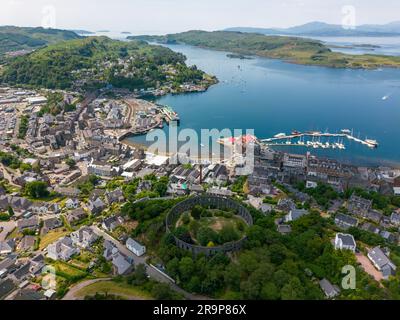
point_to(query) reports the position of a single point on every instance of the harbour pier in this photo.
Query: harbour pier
(169, 114)
(283, 139)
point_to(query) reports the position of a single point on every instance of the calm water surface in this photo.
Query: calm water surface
(272, 96)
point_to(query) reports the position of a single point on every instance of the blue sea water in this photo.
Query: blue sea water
(272, 96)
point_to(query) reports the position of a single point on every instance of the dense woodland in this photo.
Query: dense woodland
(99, 61)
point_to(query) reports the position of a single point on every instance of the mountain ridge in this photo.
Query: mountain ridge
(318, 28)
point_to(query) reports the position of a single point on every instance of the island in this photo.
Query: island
(291, 49)
(368, 47)
(83, 32)
(238, 56)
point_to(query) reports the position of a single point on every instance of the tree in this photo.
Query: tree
(256, 236)
(269, 291)
(196, 212)
(37, 189)
(70, 162)
(10, 211)
(139, 277)
(280, 278)
(93, 179)
(293, 290)
(162, 291)
(186, 268)
(161, 188)
(206, 235)
(228, 234)
(140, 272)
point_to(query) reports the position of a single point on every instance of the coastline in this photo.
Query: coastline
(359, 62)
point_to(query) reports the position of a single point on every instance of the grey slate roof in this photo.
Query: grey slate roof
(345, 221)
(395, 218)
(6, 287)
(297, 214)
(134, 244)
(381, 261)
(329, 290)
(347, 239)
(7, 245)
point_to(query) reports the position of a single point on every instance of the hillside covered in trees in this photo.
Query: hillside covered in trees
(98, 61)
(293, 49)
(17, 38)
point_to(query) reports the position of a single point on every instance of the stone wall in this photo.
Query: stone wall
(206, 201)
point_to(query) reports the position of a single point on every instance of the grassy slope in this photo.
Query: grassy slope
(51, 237)
(118, 289)
(292, 49)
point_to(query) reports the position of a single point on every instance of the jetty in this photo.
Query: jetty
(309, 139)
(169, 114)
(283, 139)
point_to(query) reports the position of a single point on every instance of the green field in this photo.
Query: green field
(68, 271)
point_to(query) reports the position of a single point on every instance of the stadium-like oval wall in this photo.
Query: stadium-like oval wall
(206, 201)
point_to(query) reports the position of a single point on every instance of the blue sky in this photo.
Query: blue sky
(163, 16)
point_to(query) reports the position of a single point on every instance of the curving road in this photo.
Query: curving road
(72, 293)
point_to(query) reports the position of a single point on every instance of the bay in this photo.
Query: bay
(272, 96)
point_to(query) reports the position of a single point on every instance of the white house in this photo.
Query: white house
(345, 242)
(135, 247)
(72, 204)
(62, 249)
(311, 185)
(84, 237)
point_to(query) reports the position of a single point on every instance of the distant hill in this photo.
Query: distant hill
(16, 38)
(289, 48)
(322, 29)
(94, 62)
(83, 32)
